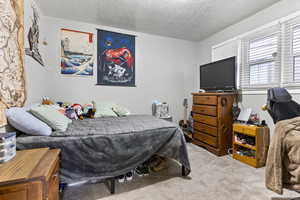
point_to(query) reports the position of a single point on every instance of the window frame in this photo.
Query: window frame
(288, 67)
(261, 61)
(285, 54)
(295, 55)
(245, 63)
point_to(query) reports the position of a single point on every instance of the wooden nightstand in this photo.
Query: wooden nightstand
(31, 175)
(250, 144)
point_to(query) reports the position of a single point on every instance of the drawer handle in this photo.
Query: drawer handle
(223, 102)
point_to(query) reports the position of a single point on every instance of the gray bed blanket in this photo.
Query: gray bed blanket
(107, 147)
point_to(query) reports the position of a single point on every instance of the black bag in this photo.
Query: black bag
(280, 105)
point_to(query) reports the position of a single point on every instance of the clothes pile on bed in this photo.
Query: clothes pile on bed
(103, 147)
(283, 162)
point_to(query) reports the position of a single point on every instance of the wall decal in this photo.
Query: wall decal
(33, 36)
(12, 81)
(116, 59)
(77, 49)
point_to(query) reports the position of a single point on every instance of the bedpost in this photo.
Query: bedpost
(62, 187)
(183, 173)
(112, 186)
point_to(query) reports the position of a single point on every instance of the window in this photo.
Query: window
(262, 57)
(260, 60)
(296, 53)
(267, 57)
(291, 53)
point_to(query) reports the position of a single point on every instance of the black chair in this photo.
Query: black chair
(280, 105)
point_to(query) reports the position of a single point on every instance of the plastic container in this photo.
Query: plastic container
(7, 146)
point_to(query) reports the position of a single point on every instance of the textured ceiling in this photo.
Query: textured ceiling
(184, 19)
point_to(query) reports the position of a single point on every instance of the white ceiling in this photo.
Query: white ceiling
(184, 19)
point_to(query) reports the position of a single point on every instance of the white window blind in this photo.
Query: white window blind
(296, 52)
(260, 59)
(291, 53)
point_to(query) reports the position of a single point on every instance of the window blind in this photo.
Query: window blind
(296, 53)
(291, 53)
(260, 59)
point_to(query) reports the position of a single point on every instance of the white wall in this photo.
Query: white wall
(226, 50)
(167, 69)
(204, 55)
(163, 71)
(35, 73)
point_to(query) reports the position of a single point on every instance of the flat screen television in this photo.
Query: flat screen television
(219, 75)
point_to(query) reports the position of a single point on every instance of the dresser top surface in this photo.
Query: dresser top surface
(213, 94)
(25, 165)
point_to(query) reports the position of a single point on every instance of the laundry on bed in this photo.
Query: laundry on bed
(283, 163)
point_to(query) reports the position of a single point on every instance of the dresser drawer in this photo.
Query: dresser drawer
(24, 191)
(15, 192)
(206, 100)
(207, 110)
(205, 128)
(205, 119)
(212, 141)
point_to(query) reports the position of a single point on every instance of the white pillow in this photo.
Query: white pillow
(26, 122)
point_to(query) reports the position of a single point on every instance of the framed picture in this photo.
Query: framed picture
(116, 59)
(77, 53)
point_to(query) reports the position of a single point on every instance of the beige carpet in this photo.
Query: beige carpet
(212, 178)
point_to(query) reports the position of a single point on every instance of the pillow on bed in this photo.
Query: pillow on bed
(120, 110)
(104, 109)
(51, 116)
(23, 121)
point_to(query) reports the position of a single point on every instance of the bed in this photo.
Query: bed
(108, 147)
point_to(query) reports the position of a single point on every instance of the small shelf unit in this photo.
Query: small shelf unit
(255, 154)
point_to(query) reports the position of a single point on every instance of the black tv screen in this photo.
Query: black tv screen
(219, 75)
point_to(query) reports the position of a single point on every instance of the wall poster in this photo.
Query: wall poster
(33, 36)
(77, 51)
(116, 59)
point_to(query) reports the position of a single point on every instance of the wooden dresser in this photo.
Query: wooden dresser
(31, 175)
(212, 114)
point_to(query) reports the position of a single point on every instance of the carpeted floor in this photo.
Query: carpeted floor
(212, 178)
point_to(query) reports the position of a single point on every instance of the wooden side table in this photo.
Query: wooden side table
(31, 175)
(250, 144)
